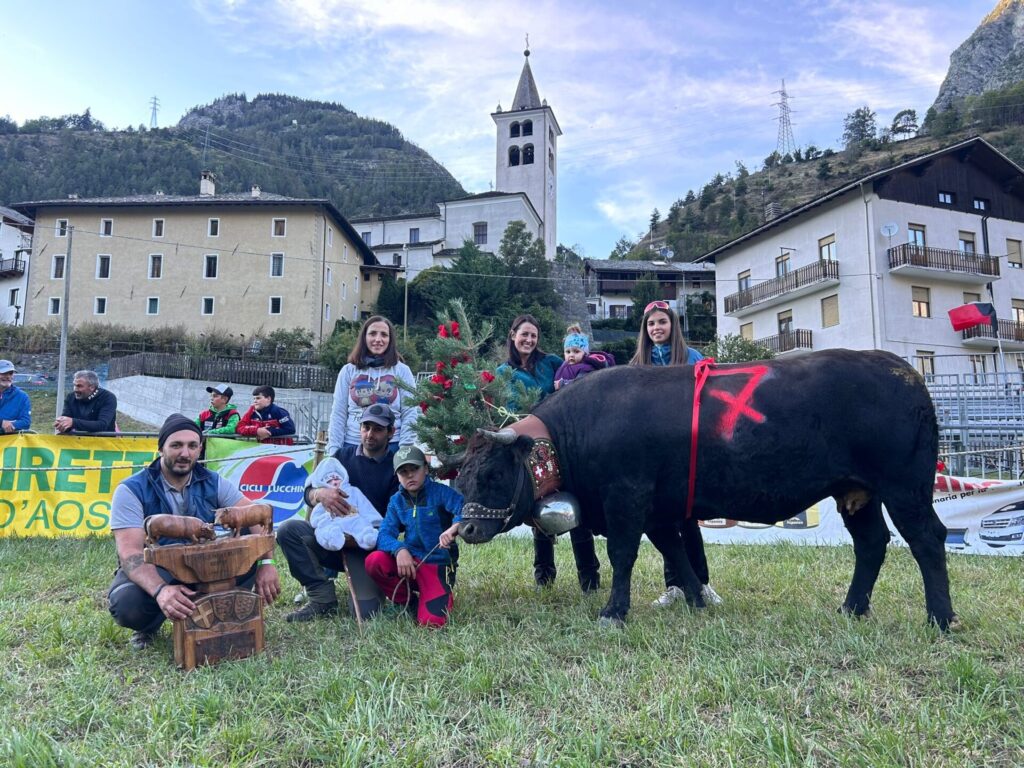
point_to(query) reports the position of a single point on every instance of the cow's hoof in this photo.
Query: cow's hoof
(952, 624)
(610, 622)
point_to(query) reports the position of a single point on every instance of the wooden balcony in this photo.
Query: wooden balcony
(942, 264)
(1011, 335)
(12, 267)
(797, 340)
(813, 277)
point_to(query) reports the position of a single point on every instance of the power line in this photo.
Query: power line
(785, 145)
(154, 104)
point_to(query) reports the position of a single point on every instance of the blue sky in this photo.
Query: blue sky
(653, 98)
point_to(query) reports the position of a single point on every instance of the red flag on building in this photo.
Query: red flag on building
(970, 315)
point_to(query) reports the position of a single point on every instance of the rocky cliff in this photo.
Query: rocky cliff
(992, 57)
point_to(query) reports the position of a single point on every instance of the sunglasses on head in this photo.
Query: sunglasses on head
(656, 305)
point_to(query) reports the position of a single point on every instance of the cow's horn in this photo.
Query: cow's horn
(502, 437)
(455, 460)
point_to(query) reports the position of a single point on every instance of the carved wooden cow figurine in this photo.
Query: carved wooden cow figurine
(165, 527)
(237, 518)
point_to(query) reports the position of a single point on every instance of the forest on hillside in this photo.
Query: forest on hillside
(286, 145)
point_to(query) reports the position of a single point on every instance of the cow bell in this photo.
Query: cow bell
(557, 513)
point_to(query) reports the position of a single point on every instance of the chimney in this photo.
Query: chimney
(772, 211)
(206, 184)
(255, 190)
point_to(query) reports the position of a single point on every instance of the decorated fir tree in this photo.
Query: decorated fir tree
(465, 392)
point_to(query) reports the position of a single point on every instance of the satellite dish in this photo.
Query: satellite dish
(890, 229)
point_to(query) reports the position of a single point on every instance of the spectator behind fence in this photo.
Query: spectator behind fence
(88, 408)
(222, 417)
(15, 406)
(268, 422)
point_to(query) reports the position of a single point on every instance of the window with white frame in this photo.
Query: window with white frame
(367, 237)
(916, 235)
(210, 266)
(278, 228)
(480, 233)
(980, 204)
(920, 301)
(747, 331)
(924, 361)
(1013, 254)
(158, 227)
(99, 305)
(743, 280)
(945, 198)
(156, 266)
(965, 242)
(106, 227)
(782, 265)
(344, 290)
(830, 311)
(60, 229)
(827, 248)
(414, 234)
(1017, 307)
(344, 253)
(153, 305)
(54, 306)
(207, 305)
(396, 259)
(330, 237)
(103, 266)
(12, 297)
(213, 228)
(785, 320)
(277, 265)
(57, 266)
(275, 305)
(357, 284)
(327, 311)
(355, 312)
(330, 276)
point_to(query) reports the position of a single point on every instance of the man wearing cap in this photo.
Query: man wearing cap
(143, 595)
(370, 470)
(87, 408)
(15, 406)
(222, 416)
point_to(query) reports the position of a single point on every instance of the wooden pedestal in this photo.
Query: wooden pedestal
(225, 625)
(227, 622)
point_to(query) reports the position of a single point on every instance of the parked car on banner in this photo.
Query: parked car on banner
(1004, 526)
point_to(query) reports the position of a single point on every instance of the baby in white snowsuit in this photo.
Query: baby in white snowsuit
(330, 531)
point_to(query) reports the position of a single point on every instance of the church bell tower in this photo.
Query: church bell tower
(527, 152)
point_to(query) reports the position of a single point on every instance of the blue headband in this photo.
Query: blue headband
(577, 340)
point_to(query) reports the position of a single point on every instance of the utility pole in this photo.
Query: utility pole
(62, 365)
(154, 104)
(785, 144)
(405, 309)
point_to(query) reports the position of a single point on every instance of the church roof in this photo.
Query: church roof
(527, 96)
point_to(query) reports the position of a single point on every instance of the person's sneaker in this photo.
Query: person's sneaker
(311, 611)
(140, 641)
(710, 596)
(301, 597)
(668, 597)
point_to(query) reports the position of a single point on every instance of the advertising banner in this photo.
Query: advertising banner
(58, 485)
(269, 474)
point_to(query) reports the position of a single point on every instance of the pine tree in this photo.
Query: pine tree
(465, 393)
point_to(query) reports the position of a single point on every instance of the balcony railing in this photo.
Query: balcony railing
(798, 338)
(910, 255)
(12, 267)
(1008, 331)
(817, 272)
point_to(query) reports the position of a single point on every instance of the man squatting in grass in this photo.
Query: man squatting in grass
(415, 571)
(143, 595)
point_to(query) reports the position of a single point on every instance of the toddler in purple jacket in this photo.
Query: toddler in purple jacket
(578, 357)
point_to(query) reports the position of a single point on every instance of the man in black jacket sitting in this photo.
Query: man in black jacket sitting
(88, 408)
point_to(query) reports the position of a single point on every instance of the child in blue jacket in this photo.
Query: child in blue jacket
(429, 513)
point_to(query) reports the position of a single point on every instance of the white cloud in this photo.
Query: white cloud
(628, 205)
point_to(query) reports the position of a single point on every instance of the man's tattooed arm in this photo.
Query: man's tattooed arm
(131, 562)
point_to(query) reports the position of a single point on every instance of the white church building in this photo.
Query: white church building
(526, 189)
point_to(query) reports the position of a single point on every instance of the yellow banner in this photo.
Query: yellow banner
(56, 485)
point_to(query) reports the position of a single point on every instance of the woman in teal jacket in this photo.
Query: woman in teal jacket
(536, 370)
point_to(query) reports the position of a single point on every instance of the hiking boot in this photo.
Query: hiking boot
(311, 611)
(668, 597)
(140, 641)
(710, 596)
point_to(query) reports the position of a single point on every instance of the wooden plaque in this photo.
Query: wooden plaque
(225, 625)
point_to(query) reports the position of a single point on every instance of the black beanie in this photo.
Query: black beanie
(175, 423)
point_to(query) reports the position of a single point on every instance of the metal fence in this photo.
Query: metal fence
(255, 372)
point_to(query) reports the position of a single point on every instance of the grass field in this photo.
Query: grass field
(523, 677)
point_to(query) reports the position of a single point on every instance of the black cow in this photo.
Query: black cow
(774, 438)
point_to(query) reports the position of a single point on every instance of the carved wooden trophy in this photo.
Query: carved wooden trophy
(227, 622)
